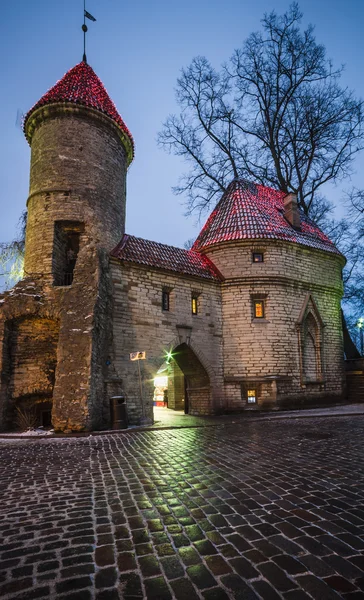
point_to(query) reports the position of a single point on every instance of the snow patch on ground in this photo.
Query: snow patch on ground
(29, 433)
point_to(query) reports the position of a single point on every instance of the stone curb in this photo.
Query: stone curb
(137, 429)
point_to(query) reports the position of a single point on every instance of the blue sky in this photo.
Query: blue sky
(138, 49)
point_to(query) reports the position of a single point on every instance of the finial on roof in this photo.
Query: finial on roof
(85, 29)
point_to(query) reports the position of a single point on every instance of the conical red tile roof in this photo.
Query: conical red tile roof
(250, 211)
(81, 85)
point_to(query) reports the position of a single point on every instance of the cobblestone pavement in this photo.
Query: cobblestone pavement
(270, 509)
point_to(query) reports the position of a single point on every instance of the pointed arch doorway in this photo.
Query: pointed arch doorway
(185, 383)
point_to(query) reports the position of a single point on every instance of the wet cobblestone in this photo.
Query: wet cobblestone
(269, 509)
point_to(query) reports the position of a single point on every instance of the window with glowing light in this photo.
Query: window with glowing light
(257, 257)
(251, 397)
(259, 309)
(194, 305)
(165, 300)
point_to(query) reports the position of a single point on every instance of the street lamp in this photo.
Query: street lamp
(360, 326)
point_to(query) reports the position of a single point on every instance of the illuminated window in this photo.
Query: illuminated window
(194, 305)
(257, 257)
(252, 397)
(259, 309)
(165, 300)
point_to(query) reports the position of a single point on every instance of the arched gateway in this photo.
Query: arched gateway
(183, 383)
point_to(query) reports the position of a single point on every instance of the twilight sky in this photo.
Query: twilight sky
(137, 49)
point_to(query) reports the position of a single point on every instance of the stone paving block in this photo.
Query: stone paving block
(265, 591)
(340, 584)
(201, 576)
(342, 566)
(217, 565)
(215, 594)
(172, 567)
(184, 590)
(149, 565)
(277, 578)
(105, 578)
(130, 585)
(189, 556)
(317, 588)
(289, 564)
(157, 589)
(238, 588)
(105, 555)
(70, 585)
(126, 561)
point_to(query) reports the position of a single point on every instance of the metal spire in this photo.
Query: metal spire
(85, 28)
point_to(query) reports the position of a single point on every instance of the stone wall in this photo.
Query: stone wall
(293, 282)
(140, 324)
(55, 341)
(355, 379)
(176, 387)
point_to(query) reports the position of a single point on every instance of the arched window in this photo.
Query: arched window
(310, 338)
(310, 349)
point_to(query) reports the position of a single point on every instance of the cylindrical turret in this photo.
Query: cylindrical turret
(80, 151)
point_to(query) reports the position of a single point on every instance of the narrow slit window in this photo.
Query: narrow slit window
(165, 300)
(258, 257)
(66, 247)
(194, 305)
(259, 309)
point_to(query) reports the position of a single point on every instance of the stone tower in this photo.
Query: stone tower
(55, 330)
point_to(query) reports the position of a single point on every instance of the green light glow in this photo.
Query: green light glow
(360, 322)
(168, 356)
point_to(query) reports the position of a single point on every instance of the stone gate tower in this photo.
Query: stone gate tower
(55, 325)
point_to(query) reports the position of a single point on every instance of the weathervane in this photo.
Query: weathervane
(86, 15)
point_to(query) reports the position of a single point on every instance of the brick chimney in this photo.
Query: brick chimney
(291, 211)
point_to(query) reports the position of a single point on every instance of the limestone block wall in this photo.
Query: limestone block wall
(140, 324)
(263, 351)
(77, 174)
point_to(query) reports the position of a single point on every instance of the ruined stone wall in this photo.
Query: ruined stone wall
(64, 340)
(140, 324)
(266, 350)
(32, 346)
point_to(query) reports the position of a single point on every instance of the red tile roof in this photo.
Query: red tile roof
(82, 86)
(250, 211)
(169, 258)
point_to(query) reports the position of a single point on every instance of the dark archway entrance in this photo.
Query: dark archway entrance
(188, 382)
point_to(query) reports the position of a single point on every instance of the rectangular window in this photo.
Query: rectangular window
(66, 245)
(252, 397)
(259, 309)
(257, 257)
(165, 300)
(194, 305)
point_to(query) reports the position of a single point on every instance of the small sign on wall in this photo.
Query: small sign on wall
(138, 355)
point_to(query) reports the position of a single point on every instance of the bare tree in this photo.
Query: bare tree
(275, 114)
(12, 256)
